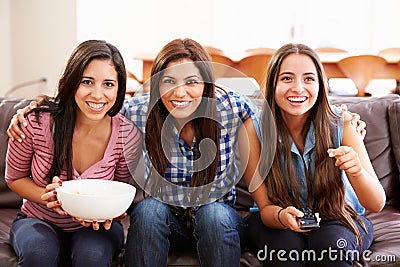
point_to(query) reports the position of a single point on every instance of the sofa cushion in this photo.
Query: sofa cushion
(385, 249)
(7, 255)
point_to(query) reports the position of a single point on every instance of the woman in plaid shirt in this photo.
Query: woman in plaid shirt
(190, 130)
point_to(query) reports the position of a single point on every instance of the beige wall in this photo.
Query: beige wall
(42, 34)
(5, 47)
(137, 26)
(37, 36)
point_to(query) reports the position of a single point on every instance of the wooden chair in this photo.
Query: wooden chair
(261, 50)
(254, 64)
(225, 65)
(328, 49)
(213, 50)
(361, 69)
(390, 54)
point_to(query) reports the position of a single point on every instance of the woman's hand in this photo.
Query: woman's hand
(288, 217)
(356, 121)
(13, 131)
(51, 196)
(346, 159)
(96, 225)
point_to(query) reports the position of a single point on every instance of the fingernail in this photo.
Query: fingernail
(23, 136)
(19, 140)
(331, 154)
(60, 183)
(12, 139)
(25, 124)
(58, 202)
(54, 192)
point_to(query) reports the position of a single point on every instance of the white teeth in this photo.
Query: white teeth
(297, 99)
(180, 103)
(96, 106)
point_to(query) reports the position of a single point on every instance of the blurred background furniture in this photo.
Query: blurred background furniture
(391, 54)
(328, 49)
(253, 63)
(261, 50)
(225, 66)
(361, 69)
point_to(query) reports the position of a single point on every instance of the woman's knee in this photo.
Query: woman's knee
(92, 256)
(149, 213)
(216, 213)
(148, 208)
(46, 248)
(333, 236)
(217, 218)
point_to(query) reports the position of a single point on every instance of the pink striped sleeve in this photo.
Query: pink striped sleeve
(130, 140)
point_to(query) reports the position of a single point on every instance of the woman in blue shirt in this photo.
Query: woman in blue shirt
(320, 163)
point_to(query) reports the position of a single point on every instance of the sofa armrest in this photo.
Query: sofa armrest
(8, 107)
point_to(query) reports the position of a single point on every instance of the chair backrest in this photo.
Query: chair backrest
(224, 65)
(390, 54)
(254, 64)
(261, 50)
(328, 49)
(213, 50)
(361, 69)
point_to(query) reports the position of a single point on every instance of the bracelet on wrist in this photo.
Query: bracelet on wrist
(279, 219)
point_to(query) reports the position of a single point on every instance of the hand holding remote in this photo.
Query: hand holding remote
(310, 220)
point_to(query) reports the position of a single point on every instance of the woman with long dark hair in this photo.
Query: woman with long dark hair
(320, 166)
(78, 134)
(190, 138)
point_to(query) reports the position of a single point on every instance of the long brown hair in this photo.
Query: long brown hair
(63, 106)
(204, 127)
(326, 193)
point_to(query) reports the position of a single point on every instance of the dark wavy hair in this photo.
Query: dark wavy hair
(204, 127)
(326, 193)
(63, 106)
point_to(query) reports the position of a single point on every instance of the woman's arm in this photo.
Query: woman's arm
(28, 189)
(352, 157)
(355, 120)
(271, 215)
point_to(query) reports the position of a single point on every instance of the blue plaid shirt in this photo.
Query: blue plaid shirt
(232, 110)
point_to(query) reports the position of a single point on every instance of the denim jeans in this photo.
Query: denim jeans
(154, 230)
(334, 244)
(39, 243)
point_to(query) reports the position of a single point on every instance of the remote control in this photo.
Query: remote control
(309, 221)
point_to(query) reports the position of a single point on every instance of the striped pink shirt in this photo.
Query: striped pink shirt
(33, 158)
